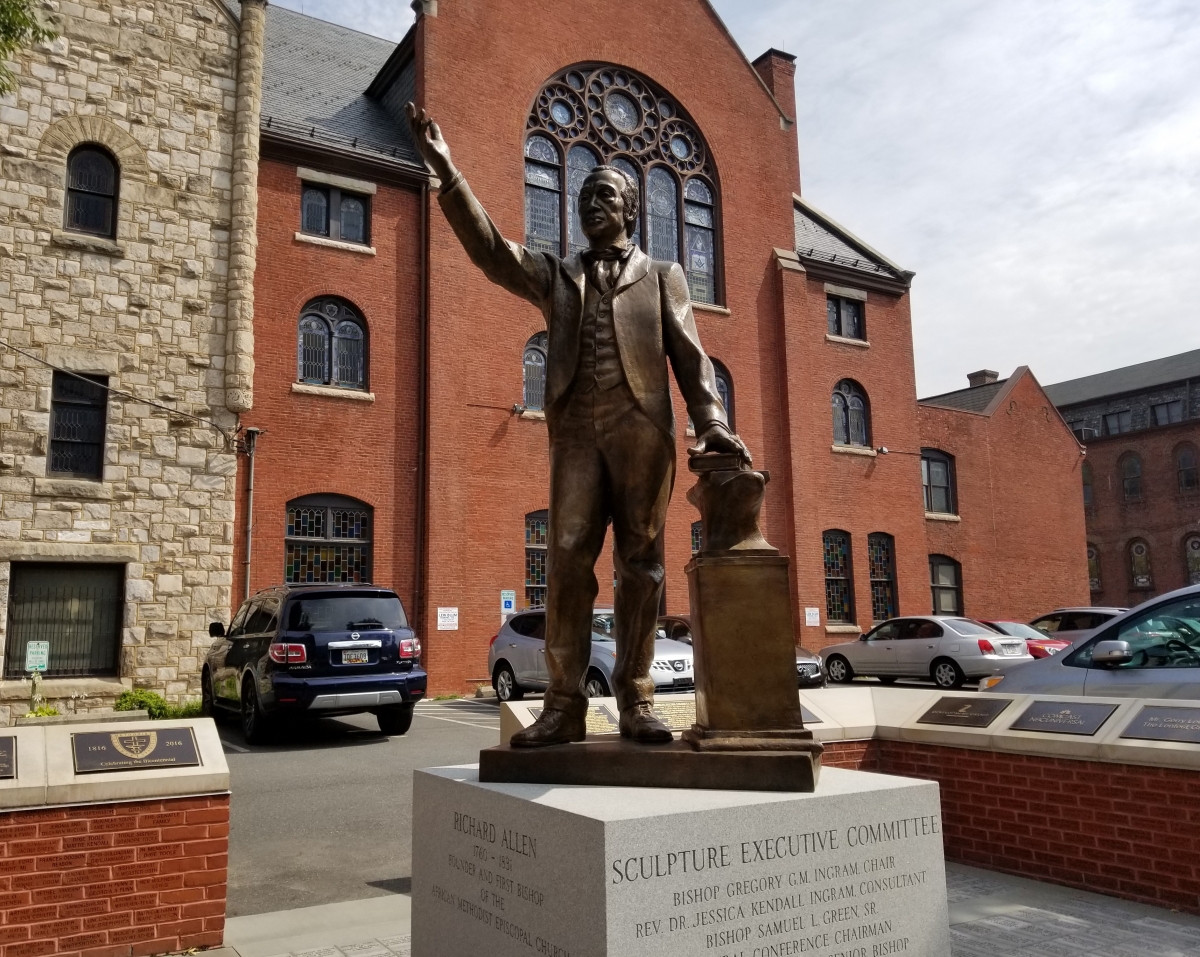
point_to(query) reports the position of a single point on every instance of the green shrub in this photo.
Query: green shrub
(140, 699)
(43, 711)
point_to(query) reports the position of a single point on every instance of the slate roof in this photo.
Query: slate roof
(819, 238)
(975, 399)
(315, 75)
(1135, 378)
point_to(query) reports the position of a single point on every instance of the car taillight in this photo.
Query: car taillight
(287, 653)
(494, 639)
(410, 647)
(985, 647)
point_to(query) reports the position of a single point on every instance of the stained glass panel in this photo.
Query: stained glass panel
(312, 350)
(839, 603)
(580, 162)
(1192, 552)
(306, 523)
(327, 542)
(348, 523)
(697, 536)
(622, 113)
(537, 531)
(663, 219)
(348, 356)
(882, 571)
(1139, 555)
(629, 169)
(1093, 559)
(307, 563)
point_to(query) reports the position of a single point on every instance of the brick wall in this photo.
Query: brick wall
(1129, 831)
(114, 880)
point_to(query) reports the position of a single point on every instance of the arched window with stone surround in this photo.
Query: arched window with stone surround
(1140, 574)
(328, 540)
(601, 114)
(92, 186)
(851, 415)
(535, 373)
(331, 345)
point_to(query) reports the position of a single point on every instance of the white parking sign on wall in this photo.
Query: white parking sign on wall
(447, 619)
(508, 603)
(812, 617)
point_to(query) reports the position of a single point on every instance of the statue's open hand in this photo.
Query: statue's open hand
(433, 148)
(717, 439)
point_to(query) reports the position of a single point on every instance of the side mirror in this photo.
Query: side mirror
(1109, 653)
(216, 630)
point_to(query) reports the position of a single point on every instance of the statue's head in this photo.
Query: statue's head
(608, 205)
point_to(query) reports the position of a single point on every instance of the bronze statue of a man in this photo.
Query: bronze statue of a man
(614, 317)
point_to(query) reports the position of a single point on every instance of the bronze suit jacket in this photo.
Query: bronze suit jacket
(652, 315)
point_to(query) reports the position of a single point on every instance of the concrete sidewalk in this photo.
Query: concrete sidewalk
(991, 915)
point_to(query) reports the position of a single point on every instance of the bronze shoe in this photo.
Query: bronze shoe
(552, 727)
(638, 723)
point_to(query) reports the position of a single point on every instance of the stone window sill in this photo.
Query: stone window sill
(330, 392)
(72, 488)
(843, 630)
(533, 415)
(844, 341)
(941, 517)
(18, 689)
(335, 244)
(709, 307)
(86, 243)
(854, 450)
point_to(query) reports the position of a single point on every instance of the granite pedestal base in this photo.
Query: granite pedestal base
(853, 869)
(615, 762)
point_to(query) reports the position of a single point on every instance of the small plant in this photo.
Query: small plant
(446, 697)
(42, 711)
(142, 699)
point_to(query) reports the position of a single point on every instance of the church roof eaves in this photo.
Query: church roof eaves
(821, 241)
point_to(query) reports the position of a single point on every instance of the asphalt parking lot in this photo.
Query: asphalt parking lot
(324, 814)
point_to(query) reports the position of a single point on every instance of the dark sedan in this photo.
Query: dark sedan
(809, 672)
(315, 649)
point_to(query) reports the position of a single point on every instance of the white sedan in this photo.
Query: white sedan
(947, 649)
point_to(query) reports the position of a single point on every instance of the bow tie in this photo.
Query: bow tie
(609, 254)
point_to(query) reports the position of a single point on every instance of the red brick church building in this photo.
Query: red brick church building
(400, 392)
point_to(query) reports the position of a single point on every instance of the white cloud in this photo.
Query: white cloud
(1037, 164)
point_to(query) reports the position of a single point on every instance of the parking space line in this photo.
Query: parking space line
(236, 747)
(465, 724)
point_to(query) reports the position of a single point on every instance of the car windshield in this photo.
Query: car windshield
(968, 626)
(1167, 636)
(1019, 630)
(602, 628)
(345, 613)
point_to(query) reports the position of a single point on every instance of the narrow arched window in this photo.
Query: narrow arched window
(314, 206)
(535, 373)
(354, 220)
(945, 580)
(328, 540)
(1093, 558)
(537, 540)
(725, 390)
(1131, 477)
(937, 481)
(580, 162)
(1185, 464)
(331, 345)
(697, 537)
(699, 224)
(1140, 573)
(881, 562)
(92, 182)
(543, 195)
(851, 425)
(601, 114)
(839, 582)
(1088, 486)
(1191, 557)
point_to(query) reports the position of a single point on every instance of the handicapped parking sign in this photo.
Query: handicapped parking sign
(508, 603)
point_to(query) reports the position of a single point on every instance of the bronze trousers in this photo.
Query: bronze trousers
(608, 461)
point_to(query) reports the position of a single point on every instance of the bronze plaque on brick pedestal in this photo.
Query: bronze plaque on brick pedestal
(8, 758)
(1161, 723)
(134, 750)
(965, 712)
(1062, 717)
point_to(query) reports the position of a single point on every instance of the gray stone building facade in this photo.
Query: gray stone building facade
(128, 162)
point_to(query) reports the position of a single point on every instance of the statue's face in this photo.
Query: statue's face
(602, 208)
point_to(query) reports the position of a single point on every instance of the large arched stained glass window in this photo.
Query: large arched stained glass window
(595, 114)
(331, 345)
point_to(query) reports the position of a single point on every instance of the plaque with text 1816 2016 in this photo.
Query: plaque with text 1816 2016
(8, 757)
(1064, 717)
(1162, 723)
(96, 751)
(965, 712)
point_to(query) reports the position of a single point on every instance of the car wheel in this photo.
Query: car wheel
(947, 674)
(207, 702)
(505, 683)
(395, 720)
(254, 722)
(839, 670)
(595, 686)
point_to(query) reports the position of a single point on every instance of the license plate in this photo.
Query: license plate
(354, 656)
(1011, 649)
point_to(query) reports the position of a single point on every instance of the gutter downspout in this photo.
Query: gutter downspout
(251, 441)
(423, 420)
(243, 235)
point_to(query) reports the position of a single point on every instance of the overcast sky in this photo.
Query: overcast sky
(1036, 164)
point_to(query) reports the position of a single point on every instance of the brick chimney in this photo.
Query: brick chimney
(778, 72)
(982, 377)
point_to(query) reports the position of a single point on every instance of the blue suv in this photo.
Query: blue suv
(321, 650)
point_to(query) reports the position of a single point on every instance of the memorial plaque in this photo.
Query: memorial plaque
(965, 712)
(96, 751)
(1061, 717)
(8, 757)
(1161, 723)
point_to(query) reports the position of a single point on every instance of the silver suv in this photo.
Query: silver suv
(517, 658)
(1067, 624)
